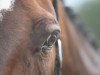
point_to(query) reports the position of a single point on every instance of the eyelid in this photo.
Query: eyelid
(50, 40)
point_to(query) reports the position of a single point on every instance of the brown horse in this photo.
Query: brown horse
(23, 30)
(24, 46)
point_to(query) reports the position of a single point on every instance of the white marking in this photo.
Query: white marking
(6, 5)
(60, 50)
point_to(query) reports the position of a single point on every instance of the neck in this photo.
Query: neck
(79, 57)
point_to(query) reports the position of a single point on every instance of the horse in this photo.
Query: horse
(29, 32)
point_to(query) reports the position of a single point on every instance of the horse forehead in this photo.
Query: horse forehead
(38, 8)
(7, 4)
(38, 4)
(32, 4)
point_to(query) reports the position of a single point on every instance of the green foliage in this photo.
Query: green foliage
(90, 13)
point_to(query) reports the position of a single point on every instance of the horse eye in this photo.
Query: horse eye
(47, 45)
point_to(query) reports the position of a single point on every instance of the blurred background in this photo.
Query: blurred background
(89, 11)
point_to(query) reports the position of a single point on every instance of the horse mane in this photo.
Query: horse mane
(81, 27)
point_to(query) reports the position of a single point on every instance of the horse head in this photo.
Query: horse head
(27, 35)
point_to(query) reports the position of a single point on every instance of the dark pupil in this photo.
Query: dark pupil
(50, 41)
